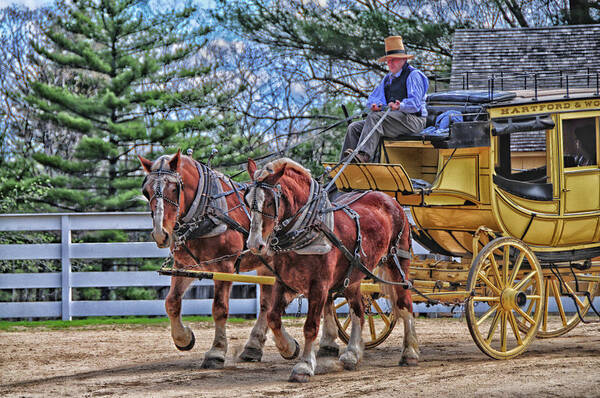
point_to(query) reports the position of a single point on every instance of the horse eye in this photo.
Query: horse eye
(146, 194)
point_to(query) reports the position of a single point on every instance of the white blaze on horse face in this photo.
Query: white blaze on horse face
(256, 242)
(159, 212)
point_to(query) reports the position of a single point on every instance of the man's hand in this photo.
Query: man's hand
(375, 107)
(394, 105)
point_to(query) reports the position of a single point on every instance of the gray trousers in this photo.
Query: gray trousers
(396, 123)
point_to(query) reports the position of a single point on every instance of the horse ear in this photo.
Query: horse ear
(251, 168)
(175, 160)
(273, 178)
(146, 164)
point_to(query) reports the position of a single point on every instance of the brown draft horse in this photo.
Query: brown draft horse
(280, 191)
(171, 188)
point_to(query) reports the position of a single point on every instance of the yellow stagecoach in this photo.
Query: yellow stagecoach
(510, 195)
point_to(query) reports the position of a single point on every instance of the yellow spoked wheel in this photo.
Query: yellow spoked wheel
(379, 320)
(505, 279)
(556, 296)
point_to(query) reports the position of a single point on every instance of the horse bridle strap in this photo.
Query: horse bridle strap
(275, 191)
(158, 190)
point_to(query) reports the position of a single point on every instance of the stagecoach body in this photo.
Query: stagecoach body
(520, 228)
(453, 185)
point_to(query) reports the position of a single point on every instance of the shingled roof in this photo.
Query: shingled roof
(481, 53)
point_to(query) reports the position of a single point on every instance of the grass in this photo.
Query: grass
(9, 326)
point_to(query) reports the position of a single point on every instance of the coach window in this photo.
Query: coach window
(523, 156)
(580, 142)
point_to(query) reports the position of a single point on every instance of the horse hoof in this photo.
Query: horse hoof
(328, 351)
(251, 354)
(189, 346)
(295, 354)
(349, 360)
(213, 363)
(408, 362)
(299, 378)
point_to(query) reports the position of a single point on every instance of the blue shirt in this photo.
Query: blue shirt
(417, 85)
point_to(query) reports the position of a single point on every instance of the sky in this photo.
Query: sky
(28, 3)
(40, 3)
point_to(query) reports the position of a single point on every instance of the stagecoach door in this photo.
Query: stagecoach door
(580, 182)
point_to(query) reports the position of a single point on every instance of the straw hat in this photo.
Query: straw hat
(394, 49)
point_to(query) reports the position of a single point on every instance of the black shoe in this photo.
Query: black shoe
(361, 157)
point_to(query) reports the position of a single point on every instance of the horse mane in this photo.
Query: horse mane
(164, 159)
(276, 165)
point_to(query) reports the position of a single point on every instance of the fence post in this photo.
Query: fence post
(65, 255)
(258, 288)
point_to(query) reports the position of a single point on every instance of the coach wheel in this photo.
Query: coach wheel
(505, 280)
(379, 319)
(557, 297)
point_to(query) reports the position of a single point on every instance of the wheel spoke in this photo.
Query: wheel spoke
(515, 328)
(525, 316)
(504, 332)
(529, 309)
(532, 297)
(581, 305)
(372, 328)
(516, 268)
(506, 262)
(557, 298)
(381, 313)
(489, 283)
(343, 303)
(484, 298)
(487, 314)
(493, 327)
(346, 322)
(494, 267)
(546, 298)
(524, 281)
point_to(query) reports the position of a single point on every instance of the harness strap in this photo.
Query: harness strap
(341, 206)
(199, 201)
(355, 260)
(294, 236)
(230, 222)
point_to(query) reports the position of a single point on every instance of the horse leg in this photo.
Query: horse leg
(355, 349)
(402, 304)
(215, 357)
(253, 349)
(304, 369)
(288, 347)
(183, 337)
(327, 345)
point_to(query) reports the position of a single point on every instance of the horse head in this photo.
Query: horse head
(164, 188)
(271, 198)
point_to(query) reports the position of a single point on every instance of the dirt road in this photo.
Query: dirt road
(141, 361)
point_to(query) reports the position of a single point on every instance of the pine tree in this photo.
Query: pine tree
(135, 85)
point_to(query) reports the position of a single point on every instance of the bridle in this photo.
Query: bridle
(160, 181)
(275, 191)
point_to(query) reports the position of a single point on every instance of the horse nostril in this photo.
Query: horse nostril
(261, 247)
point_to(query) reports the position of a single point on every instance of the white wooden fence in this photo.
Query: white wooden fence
(65, 251)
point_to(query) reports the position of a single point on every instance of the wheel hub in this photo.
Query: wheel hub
(511, 299)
